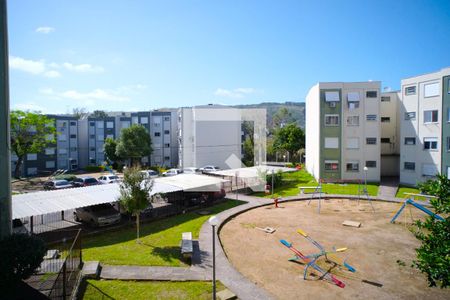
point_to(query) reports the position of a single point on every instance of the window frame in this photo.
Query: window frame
(352, 118)
(408, 117)
(352, 164)
(374, 165)
(371, 138)
(409, 138)
(385, 119)
(430, 141)
(406, 93)
(432, 115)
(371, 93)
(411, 163)
(370, 119)
(331, 163)
(331, 116)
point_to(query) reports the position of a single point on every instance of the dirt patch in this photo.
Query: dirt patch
(380, 252)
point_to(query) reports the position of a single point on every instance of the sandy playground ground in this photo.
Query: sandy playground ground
(380, 251)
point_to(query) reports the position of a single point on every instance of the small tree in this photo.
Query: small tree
(290, 138)
(134, 143)
(433, 256)
(21, 255)
(99, 114)
(80, 112)
(134, 193)
(31, 132)
(110, 148)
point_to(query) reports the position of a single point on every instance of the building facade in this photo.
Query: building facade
(425, 130)
(390, 134)
(343, 130)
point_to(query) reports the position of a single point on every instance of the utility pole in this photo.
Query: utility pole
(5, 143)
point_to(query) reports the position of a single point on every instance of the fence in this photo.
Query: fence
(68, 269)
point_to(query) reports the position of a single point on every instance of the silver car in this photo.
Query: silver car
(108, 179)
(97, 215)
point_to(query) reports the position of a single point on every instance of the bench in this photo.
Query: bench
(303, 188)
(186, 244)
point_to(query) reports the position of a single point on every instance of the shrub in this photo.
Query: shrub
(21, 254)
(94, 168)
(289, 165)
(277, 178)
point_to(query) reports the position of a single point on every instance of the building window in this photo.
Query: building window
(166, 131)
(62, 137)
(385, 140)
(352, 166)
(431, 89)
(125, 124)
(157, 133)
(331, 143)
(371, 94)
(92, 148)
(331, 120)
(353, 100)
(144, 120)
(430, 143)
(50, 164)
(73, 136)
(371, 117)
(100, 124)
(410, 90)
(100, 137)
(371, 141)
(385, 99)
(408, 165)
(92, 161)
(49, 151)
(448, 144)
(32, 156)
(110, 136)
(410, 140)
(332, 97)
(385, 119)
(448, 114)
(353, 121)
(134, 120)
(331, 165)
(166, 157)
(92, 124)
(371, 163)
(167, 145)
(73, 123)
(430, 116)
(62, 151)
(32, 171)
(92, 136)
(109, 124)
(166, 118)
(410, 115)
(353, 143)
(429, 170)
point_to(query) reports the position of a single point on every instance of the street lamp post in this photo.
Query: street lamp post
(365, 179)
(214, 221)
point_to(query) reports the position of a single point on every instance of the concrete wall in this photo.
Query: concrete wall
(446, 126)
(312, 131)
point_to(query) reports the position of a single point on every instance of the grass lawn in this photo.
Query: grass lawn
(117, 289)
(404, 189)
(160, 240)
(293, 180)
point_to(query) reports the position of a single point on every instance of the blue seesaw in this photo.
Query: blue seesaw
(419, 206)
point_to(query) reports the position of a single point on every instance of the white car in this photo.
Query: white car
(108, 179)
(207, 169)
(149, 173)
(191, 170)
(172, 172)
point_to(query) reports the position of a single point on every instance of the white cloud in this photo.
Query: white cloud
(235, 93)
(83, 68)
(28, 106)
(52, 74)
(45, 29)
(29, 66)
(87, 98)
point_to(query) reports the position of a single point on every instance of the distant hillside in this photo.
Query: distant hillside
(297, 110)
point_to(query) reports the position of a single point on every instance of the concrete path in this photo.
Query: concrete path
(388, 187)
(152, 273)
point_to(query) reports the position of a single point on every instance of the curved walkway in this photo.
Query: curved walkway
(201, 268)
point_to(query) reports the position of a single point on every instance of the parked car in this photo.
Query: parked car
(150, 173)
(85, 181)
(191, 170)
(207, 169)
(108, 179)
(172, 172)
(57, 184)
(97, 215)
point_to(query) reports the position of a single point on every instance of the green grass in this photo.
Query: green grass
(117, 289)
(404, 189)
(160, 240)
(293, 180)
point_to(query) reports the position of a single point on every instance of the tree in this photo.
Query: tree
(30, 133)
(290, 138)
(433, 256)
(282, 117)
(80, 112)
(109, 148)
(22, 254)
(248, 145)
(134, 193)
(134, 143)
(99, 114)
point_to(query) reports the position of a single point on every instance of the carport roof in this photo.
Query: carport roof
(251, 172)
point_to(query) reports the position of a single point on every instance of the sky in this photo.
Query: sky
(134, 55)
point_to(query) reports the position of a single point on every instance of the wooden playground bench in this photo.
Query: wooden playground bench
(186, 244)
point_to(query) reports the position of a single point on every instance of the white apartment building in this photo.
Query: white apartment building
(425, 131)
(343, 131)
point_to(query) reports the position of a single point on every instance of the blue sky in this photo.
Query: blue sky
(140, 55)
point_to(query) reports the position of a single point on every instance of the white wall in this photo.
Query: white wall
(312, 131)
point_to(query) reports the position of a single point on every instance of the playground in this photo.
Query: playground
(380, 252)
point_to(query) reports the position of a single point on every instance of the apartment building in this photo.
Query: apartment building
(425, 127)
(343, 131)
(209, 135)
(390, 133)
(63, 154)
(163, 132)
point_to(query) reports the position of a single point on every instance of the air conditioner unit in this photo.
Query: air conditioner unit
(332, 104)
